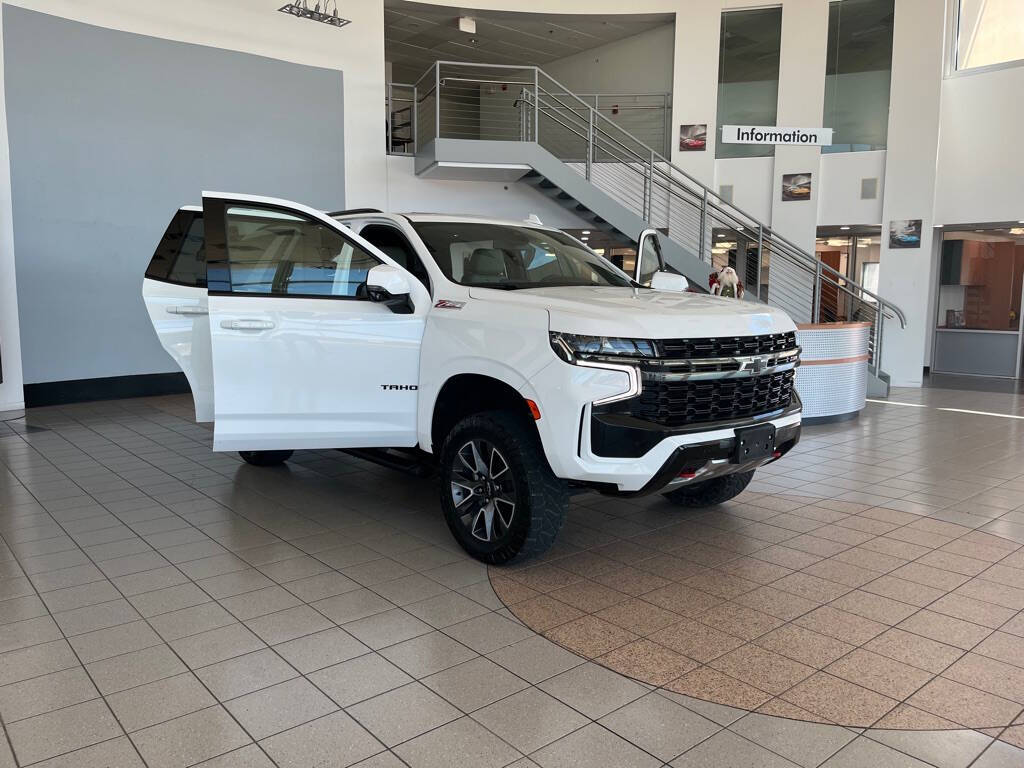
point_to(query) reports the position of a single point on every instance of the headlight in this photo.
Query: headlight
(569, 346)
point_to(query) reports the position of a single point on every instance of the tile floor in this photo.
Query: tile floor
(161, 605)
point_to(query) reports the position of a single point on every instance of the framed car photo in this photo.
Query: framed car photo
(693, 138)
(905, 233)
(796, 186)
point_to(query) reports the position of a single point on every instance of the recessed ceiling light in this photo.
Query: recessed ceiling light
(472, 40)
(586, 231)
(720, 235)
(844, 227)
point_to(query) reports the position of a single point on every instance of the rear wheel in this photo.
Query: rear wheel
(500, 498)
(265, 458)
(714, 491)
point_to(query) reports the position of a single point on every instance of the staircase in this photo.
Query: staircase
(507, 123)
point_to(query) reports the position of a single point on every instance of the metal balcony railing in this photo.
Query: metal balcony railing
(512, 103)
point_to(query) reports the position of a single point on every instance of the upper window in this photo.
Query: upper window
(510, 257)
(392, 242)
(858, 69)
(181, 256)
(748, 75)
(277, 253)
(989, 32)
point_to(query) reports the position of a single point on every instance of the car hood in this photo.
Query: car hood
(641, 312)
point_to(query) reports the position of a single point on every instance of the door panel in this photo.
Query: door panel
(175, 295)
(301, 358)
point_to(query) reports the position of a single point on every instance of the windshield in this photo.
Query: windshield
(511, 257)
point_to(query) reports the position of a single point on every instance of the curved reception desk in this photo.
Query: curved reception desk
(832, 379)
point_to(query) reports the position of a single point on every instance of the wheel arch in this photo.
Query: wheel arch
(464, 394)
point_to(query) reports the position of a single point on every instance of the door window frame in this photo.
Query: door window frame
(218, 257)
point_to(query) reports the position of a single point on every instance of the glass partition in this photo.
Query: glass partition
(978, 307)
(857, 74)
(748, 75)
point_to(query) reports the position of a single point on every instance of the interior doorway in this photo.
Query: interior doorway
(853, 252)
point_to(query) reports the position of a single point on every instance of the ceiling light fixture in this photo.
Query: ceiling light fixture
(318, 12)
(586, 231)
(844, 227)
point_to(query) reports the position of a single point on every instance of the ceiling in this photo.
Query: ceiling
(416, 35)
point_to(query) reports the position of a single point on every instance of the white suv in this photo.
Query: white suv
(506, 356)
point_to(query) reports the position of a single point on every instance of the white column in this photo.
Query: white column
(801, 104)
(906, 274)
(12, 398)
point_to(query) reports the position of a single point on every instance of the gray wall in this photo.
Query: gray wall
(110, 132)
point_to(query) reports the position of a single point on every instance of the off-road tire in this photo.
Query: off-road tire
(714, 491)
(265, 458)
(542, 500)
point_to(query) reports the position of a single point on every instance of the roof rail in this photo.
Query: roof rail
(352, 211)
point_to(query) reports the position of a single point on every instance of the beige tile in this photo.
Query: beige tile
(544, 612)
(682, 599)
(403, 713)
(461, 742)
(639, 616)
(988, 674)
(189, 739)
(162, 700)
(711, 685)
(739, 620)
(321, 649)
(875, 607)
(45, 694)
(969, 707)
(763, 669)
(593, 690)
(695, 640)
(839, 701)
(54, 733)
(945, 629)
(1004, 647)
(535, 659)
(359, 679)
(911, 718)
(474, 684)
(529, 719)
(647, 662)
(841, 625)
(879, 673)
(774, 602)
(590, 636)
(918, 651)
(280, 707)
(803, 645)
(245, 674)
(632, 581)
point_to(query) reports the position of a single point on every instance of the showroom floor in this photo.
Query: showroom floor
(860, 605)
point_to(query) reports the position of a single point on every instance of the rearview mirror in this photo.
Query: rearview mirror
(669, 281)
(389, 286)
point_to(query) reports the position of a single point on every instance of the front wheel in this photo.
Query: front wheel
(265, 458)
(500, 498)
(714, 491)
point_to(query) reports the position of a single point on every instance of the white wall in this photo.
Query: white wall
(906, 275)
(508, 200)
(980, 165)
(637, 64)
(751, 180)
(840, 175)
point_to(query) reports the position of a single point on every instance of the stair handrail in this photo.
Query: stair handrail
(767, 236)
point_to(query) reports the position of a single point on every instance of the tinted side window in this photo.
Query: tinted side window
(190, 264)
(180, 256)
(395, 245)
(276, 253)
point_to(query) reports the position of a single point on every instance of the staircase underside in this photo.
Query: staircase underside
(482, 160)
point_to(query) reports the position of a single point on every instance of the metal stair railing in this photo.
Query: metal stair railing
(455, 100)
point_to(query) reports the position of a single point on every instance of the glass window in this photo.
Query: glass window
(392, 242)
(190, 265)
(748, 75)
(511, 257)
(272, 252)
(857, 74)
(980, 279)
(989, 32)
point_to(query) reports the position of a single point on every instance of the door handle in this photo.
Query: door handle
(187, 310)
(246, 325)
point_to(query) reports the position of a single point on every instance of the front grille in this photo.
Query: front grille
(726, 346)
(681, 403)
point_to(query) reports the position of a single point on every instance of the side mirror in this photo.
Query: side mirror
(669, 281)
(389, 285)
